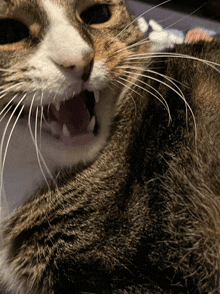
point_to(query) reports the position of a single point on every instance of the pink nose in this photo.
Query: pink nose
(81, 67)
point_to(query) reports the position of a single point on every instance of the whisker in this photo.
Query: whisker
(180, 94)
(9, 88)
(147, 11)
(114, 83)
(174, 55)
(135, 105)
(10, 135)
(41, 115)
(129, 88)
(154, 95)
(164, 103)
(185, 17)
(3, 157)
(7, 108)
(38, 152)
(6, 70)
(34, 139)
(141, 42)
(147, 40)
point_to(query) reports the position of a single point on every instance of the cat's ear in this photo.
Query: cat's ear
(143, 25)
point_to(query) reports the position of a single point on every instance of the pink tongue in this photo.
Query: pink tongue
(74, 114)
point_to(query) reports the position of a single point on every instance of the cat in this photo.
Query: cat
(109, 154)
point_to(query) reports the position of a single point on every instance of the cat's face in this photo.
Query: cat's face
(59, 72)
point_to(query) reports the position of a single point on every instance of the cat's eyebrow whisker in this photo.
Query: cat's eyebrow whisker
(3, 157)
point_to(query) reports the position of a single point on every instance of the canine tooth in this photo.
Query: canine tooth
(91, 125)
(55, 128)
(57, 106)
(97, 96)
(66, 132)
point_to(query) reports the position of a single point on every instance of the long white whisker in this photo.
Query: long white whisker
(116, 85)
(3, 157)
(135, 106)
(147, 11)
(141, 42)
(34, 139)
(9, 137)
(156, 73)
(41, 115)
(38, 152)
(180, 94)
(178, 88)
(9, 88)
(7, 108)
(3, 196)
(187, 16)
(6, 70)
(3, 95)
(163, 101)
(174, 55)
(132, 83)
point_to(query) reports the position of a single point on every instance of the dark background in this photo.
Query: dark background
(208, 9)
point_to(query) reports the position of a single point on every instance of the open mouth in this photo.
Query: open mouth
(72, 121)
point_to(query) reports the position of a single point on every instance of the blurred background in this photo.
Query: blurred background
(209, 9)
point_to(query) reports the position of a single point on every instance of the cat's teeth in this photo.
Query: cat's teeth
(66, 132)
(91, 125)
(97, 96)
(57, 106)
(55, 128)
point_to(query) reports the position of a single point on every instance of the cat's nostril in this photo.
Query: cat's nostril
(81, 67)
(71, 67)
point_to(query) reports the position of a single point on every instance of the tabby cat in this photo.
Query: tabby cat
(110, 162)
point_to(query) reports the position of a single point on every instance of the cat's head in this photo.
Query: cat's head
(60, 67)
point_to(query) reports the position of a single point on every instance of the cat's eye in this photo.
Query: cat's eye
(12, 31)
(96, 14)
